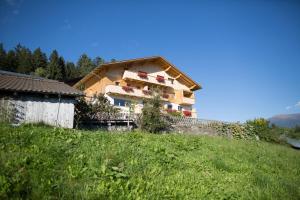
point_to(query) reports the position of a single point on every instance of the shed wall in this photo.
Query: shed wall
(51, 111)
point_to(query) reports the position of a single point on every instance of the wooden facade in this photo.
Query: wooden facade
(137, 79)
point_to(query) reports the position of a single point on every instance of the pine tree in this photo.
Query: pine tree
(11, 61)
(98, 61)
(39, 59)
(71, 70)
(3, 56)
(54, 70)
(61, 64)
(85, 65)
(24, 59)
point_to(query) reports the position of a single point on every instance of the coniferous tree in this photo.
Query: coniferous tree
(39, 59)
(54, 70)
(3, 56)
(11, 61)
(71, 70)
(61, 64)
(98, 61)
(85, 65)
(24, 59)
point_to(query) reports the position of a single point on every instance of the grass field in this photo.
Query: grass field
(39, 162)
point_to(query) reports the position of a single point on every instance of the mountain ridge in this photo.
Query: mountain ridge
(286, 120)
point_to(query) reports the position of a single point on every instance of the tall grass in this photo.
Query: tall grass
(41, 162)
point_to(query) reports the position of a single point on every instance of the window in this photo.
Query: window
(169, 107)
(171, 80)
(180, 108)
(117, 83)
(121, 102)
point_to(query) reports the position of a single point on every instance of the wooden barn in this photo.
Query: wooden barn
(30, 99)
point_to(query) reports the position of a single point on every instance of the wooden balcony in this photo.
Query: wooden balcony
(187, 101)
(137, 76)
(115, 89)
(131, 91)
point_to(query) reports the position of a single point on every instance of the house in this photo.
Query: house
(128, 82)
(30, 99)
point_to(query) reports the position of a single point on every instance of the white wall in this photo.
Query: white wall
(47, 110)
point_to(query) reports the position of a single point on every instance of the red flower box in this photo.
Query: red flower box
(187, 113)
(127, 88)
(171, 111)
(165, 96)
(147, 92)
(142, 74)
(160, 79)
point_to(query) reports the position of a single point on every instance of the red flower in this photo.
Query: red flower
(147, 92)
(142, 74)
(165, 96)
(187, 113)
(160, 79)
(127, 88)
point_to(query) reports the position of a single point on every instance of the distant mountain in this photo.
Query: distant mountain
(288, 120)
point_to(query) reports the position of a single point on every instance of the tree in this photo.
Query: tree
(71, 70)
(24, 59)
(98, 61)
(61, 65)
(40, 72)
(85, 65)
(99, 109)
(113, 60)
(11, 61)
(3, 56)
(39, 59)
(54, 70)
(152, 120)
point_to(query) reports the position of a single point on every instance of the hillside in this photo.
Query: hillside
(288, 120)
(43, 162)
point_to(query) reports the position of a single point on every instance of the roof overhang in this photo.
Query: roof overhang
(168, 67)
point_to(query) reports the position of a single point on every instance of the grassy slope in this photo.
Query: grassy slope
(39, 162)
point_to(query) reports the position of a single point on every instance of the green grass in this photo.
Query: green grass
(39, 162)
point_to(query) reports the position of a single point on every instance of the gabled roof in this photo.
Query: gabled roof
(170, 68)
(15, 82)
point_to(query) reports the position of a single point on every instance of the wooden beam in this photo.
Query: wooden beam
(177, 77)
(168, 69)
(94, 74)
(193, 87)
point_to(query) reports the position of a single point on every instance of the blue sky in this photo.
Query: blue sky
(245, 54)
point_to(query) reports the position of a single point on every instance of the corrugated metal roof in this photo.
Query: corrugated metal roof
(10, 81)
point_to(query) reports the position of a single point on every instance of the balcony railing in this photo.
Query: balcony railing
(126, 90)
(188, 101)
(141, 76)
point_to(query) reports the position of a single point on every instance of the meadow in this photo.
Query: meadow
(40, 162)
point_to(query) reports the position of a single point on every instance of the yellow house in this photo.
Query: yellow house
(128, 82)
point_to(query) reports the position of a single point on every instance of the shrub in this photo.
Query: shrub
(152, 120)
(264, 131)
(99, 108)
(175, 113)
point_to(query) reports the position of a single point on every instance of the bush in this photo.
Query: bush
(152, 120)
(264, 131)
(98, 109)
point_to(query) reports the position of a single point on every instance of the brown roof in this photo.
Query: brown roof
(192, 84)
(10, 81)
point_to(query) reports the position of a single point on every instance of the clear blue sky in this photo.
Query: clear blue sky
(245, 54)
